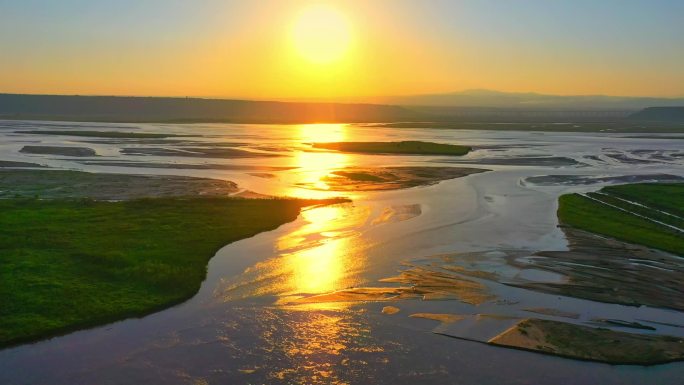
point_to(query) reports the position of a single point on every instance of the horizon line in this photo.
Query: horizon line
(341, 99)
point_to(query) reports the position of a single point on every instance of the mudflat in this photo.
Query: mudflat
(595, 344)
(54, 184)
(411, 147)
(58, 150)
(196, 152)
(389, 178)
(100, 134)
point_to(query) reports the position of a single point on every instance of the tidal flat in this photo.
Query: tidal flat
(466, 257)
(404, 147)
(194, 152)
(11, 164)
(98, 134)
(59, 150)
(596, 344)
(388, 178)
(67, 184)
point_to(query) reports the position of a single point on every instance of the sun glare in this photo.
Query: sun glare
(321, 34)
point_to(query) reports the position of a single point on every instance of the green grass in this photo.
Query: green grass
(100, 134)
(583, 213)
(647, 211)
(405, 147)
(69, 264)
(604, 345)
(666, 197)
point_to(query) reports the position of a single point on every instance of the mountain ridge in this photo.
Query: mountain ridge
(500, 99)
(203, 110)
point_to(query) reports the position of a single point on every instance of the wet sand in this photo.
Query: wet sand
(581, 342)
(194, 152)
(97, 134)
(551, 161)
(608, 270)
(388, 178)
(52, 184)
(181, 166)
(578, 180)
(11, 164)
(54, 150)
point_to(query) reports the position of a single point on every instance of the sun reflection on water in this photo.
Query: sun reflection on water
(322, 253)
(309, 133)
(319, 270)
(322, 347)
(313, 166)
(325, 254)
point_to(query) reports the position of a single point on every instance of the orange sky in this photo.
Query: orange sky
(250, 49)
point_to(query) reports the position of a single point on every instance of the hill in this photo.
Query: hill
(198, 110)
(531, 100)
(660, 114)
(161, 109)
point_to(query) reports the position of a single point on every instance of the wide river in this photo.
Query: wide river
(240, 328)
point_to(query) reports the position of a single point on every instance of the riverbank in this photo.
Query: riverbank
(70, 263)
(645, 214)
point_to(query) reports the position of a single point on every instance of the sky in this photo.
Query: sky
(343, 50)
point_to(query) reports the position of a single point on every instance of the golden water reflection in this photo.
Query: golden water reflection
(320, 347)
(309, 133)
(313, 166)
(320, 269)
(326, 253)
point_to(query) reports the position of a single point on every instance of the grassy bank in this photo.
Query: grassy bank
(601, 213)
(591, 344)
(68, 264)
(405, 147)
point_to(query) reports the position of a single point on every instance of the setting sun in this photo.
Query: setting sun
(321, 34)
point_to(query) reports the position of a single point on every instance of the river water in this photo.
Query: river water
(241, 328)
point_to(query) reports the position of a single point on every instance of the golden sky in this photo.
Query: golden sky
(345, 50)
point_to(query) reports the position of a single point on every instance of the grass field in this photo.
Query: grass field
(405, 147)
(69, 264)
(651, 220)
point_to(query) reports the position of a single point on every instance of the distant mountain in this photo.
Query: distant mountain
(159, 109)
(530, 100)
(195, 110)
(659, 114)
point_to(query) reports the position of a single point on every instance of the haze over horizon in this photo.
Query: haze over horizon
(344, 51)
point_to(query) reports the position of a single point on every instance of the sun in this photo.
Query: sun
(321, 34)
